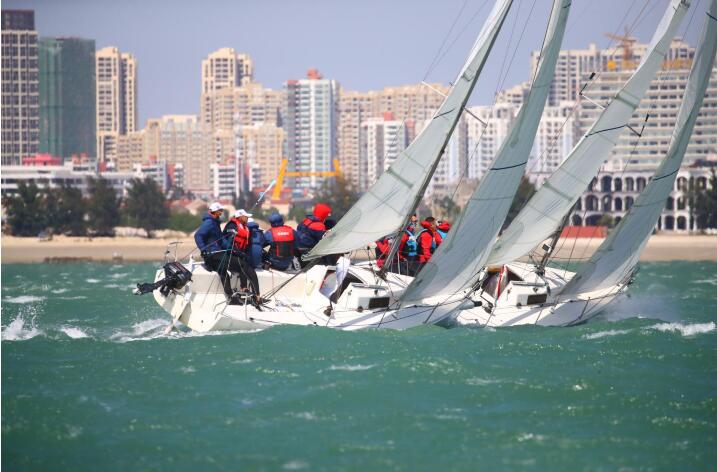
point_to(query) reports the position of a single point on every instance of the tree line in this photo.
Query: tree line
(64, 210)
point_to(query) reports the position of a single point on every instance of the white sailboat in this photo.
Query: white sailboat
(562, 298)
(361, 299)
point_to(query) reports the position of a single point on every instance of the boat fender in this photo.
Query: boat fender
(327, 311)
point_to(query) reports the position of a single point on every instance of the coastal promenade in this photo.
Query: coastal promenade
(138, 249)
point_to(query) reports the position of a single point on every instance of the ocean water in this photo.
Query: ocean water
(90, 382)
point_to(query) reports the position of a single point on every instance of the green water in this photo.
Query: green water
(89, 382)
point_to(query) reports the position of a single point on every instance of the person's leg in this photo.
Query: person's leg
(249, 273)
(218, 262)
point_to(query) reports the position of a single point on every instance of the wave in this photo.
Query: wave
(17, 331)
(686, 330)
(60, 290)
(602, 334)
(74, 333)
(351, 368)
(24, 299)
(140, 330)
(92, 281)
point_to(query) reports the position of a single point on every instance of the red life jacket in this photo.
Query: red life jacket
(241, 240)
(283, 237)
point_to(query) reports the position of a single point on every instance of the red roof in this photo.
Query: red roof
(584, 232)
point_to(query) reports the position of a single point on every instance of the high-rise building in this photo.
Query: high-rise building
(384, 139)
(410, 104)
(575, 66)
(310, 123)
(555, 138)
(353, 109)
(67, 97)
(484, 140)
(660, 107)
(246, 105)
(116, 99)
(20, 87)
(259, 148)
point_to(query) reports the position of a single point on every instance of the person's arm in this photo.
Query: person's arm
(425, 243)
(268, 238)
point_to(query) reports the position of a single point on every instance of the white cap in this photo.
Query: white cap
(241, 212)
(216, 206)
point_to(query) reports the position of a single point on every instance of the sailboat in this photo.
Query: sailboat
(523, 294)
(352, 296)
(349, 296)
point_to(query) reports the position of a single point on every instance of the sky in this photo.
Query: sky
(363, 44)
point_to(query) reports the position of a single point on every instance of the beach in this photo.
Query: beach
(660, 247)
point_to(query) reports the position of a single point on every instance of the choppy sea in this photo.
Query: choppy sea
(91, 382)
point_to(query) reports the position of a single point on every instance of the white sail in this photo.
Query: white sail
(545, 211)
(461, 256)
(618, 254)
(383, 209)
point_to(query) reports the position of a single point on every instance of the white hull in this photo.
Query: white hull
(369, 302)
(202, 305)
(512, 307)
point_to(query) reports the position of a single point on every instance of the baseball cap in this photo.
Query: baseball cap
(241, 212)
(216, 206)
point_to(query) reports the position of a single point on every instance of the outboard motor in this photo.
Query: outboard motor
(176, 276)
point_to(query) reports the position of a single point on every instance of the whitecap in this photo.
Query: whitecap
(602, 334)
(295, 465)
(24, 299)
(76, 297)
(188, 370)
(92, 281)
(60, 290)
(120, 275)
(140, 329)
(16, 330)
(705, 281)
(74, 333)
(478, 381)
(352, 368)
(685, 330)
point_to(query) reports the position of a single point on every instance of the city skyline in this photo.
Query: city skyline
(335, 38)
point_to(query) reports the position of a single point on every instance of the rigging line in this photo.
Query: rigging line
(664, 77)
(440, 53)
(499, 86)
(593, 78)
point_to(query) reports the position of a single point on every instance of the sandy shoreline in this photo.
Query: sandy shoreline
(135, 249)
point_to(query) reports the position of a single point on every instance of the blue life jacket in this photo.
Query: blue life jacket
(442, 233)
(410, 249)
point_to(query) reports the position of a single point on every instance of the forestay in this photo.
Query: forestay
(545, 211)
(385, 206)
(458, 260)
(618, 254)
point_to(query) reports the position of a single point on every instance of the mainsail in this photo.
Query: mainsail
(464, 252)
(619, 253)
(546, 209)
(383, 209)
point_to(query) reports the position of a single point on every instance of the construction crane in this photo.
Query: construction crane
(283, 173)
(626, 43)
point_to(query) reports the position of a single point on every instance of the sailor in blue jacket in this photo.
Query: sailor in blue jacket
(214, 247)
(257, 243)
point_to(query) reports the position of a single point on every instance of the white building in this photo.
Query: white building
(484, 140)
(67, 174)
(310, 123)
(157, 171)
(384, 139)
(225, 179)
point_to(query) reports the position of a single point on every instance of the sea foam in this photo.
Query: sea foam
(686, 330)
(22, 299)
(17, 331)
(74, 333)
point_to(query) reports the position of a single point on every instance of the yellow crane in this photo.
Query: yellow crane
(284, 173)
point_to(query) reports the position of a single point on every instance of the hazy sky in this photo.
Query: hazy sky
(364, 44)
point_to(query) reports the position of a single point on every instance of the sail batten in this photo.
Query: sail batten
(459, 258)
(404, 183)
(616, 257)
(562, 189)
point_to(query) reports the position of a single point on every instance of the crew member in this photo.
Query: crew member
(282, 241)
(428, 240)
(443, 227)
(408, 250)
(214, 246)
(256, 244)
(238, 226)
(313, 228)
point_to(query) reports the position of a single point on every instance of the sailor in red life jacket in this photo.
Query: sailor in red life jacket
(428, 240)
(282, 241)
(312, 229)
(443, 227)
(240, 247)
